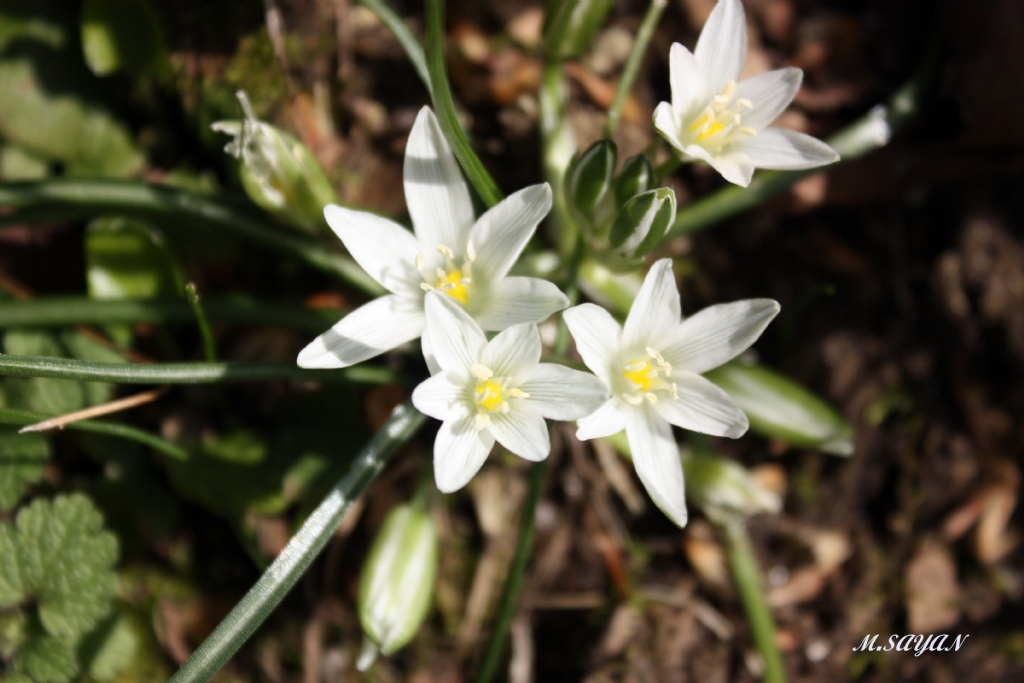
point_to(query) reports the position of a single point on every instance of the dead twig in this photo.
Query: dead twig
(117, 406)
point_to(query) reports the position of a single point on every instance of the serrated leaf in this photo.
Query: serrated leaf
(47, 659)
(66, 560)
(22, 457)
(12, 588)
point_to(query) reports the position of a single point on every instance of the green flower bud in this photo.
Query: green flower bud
(636, 177)
(779, 408)
(589, 178)
(573, 25)
(722, 488)
(643, 221)
(397, 582)
(278, 172)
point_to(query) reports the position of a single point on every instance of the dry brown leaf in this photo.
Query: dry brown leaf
(932, 590)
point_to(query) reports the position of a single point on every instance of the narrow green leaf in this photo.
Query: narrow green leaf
(444, 106)
(300, 552)
(184, 373)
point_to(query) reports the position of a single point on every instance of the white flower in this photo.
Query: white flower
(718, 119)
(493, 391)
(449, 253)
(653, 367)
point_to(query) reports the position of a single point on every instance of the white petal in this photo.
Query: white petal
(368, 331)
(655, 313)
(656, 458)
(702, 407)
(522, 431)
(689, 89)
(610, 418)
(384, 249)
(459, 453)
(441, 396)
(435, 192)
(735, 167)
(514, 352)
(428, 355)
(666, 123)
(722, 46)
(515, 300)
(783, 149)
(454, 339)
(500, 234)
(770, 93)
(597, 335)
(718, 334)
(561, 393)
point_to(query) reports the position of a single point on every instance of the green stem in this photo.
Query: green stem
(872, 131)
(632, 67)
(747, 575)
(444, 105)
(514, 582)
(209, 346)
(300, 552)
(559, 145)
(405, 38)
(183, 373)
(668, 166)
(71, 199)
(13, 416)
(61, 311)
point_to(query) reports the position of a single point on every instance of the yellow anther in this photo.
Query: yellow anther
(651, 397)
(715, 127)
(440, 273)
(707, 117)
(748, 131)
(744, 103)
(419, 261)
(425, 287)
(519, 393)
(481, 421)
(674, 391)
(445, 251)
(636, 367)
(633, 399)
(470, 251)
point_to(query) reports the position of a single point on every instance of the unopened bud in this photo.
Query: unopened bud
(779, 408)
(278, 172)
(589, 179)
(643, 222)
(722, 488)
(397, 582)
(636, 177)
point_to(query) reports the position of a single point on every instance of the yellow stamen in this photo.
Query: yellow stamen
(641, 376)
(454, 285)
(489, 395)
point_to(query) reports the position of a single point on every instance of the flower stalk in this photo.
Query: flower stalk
(633, 62)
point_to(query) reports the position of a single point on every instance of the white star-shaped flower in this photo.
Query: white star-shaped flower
(653, 367)
(467, 261)
(718, 119)
(493, 391)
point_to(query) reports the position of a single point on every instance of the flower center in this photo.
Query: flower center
(454, 280)
(490, 395)
(647, 377)
(721, 119)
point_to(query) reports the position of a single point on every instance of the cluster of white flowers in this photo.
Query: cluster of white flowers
(449, 283)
